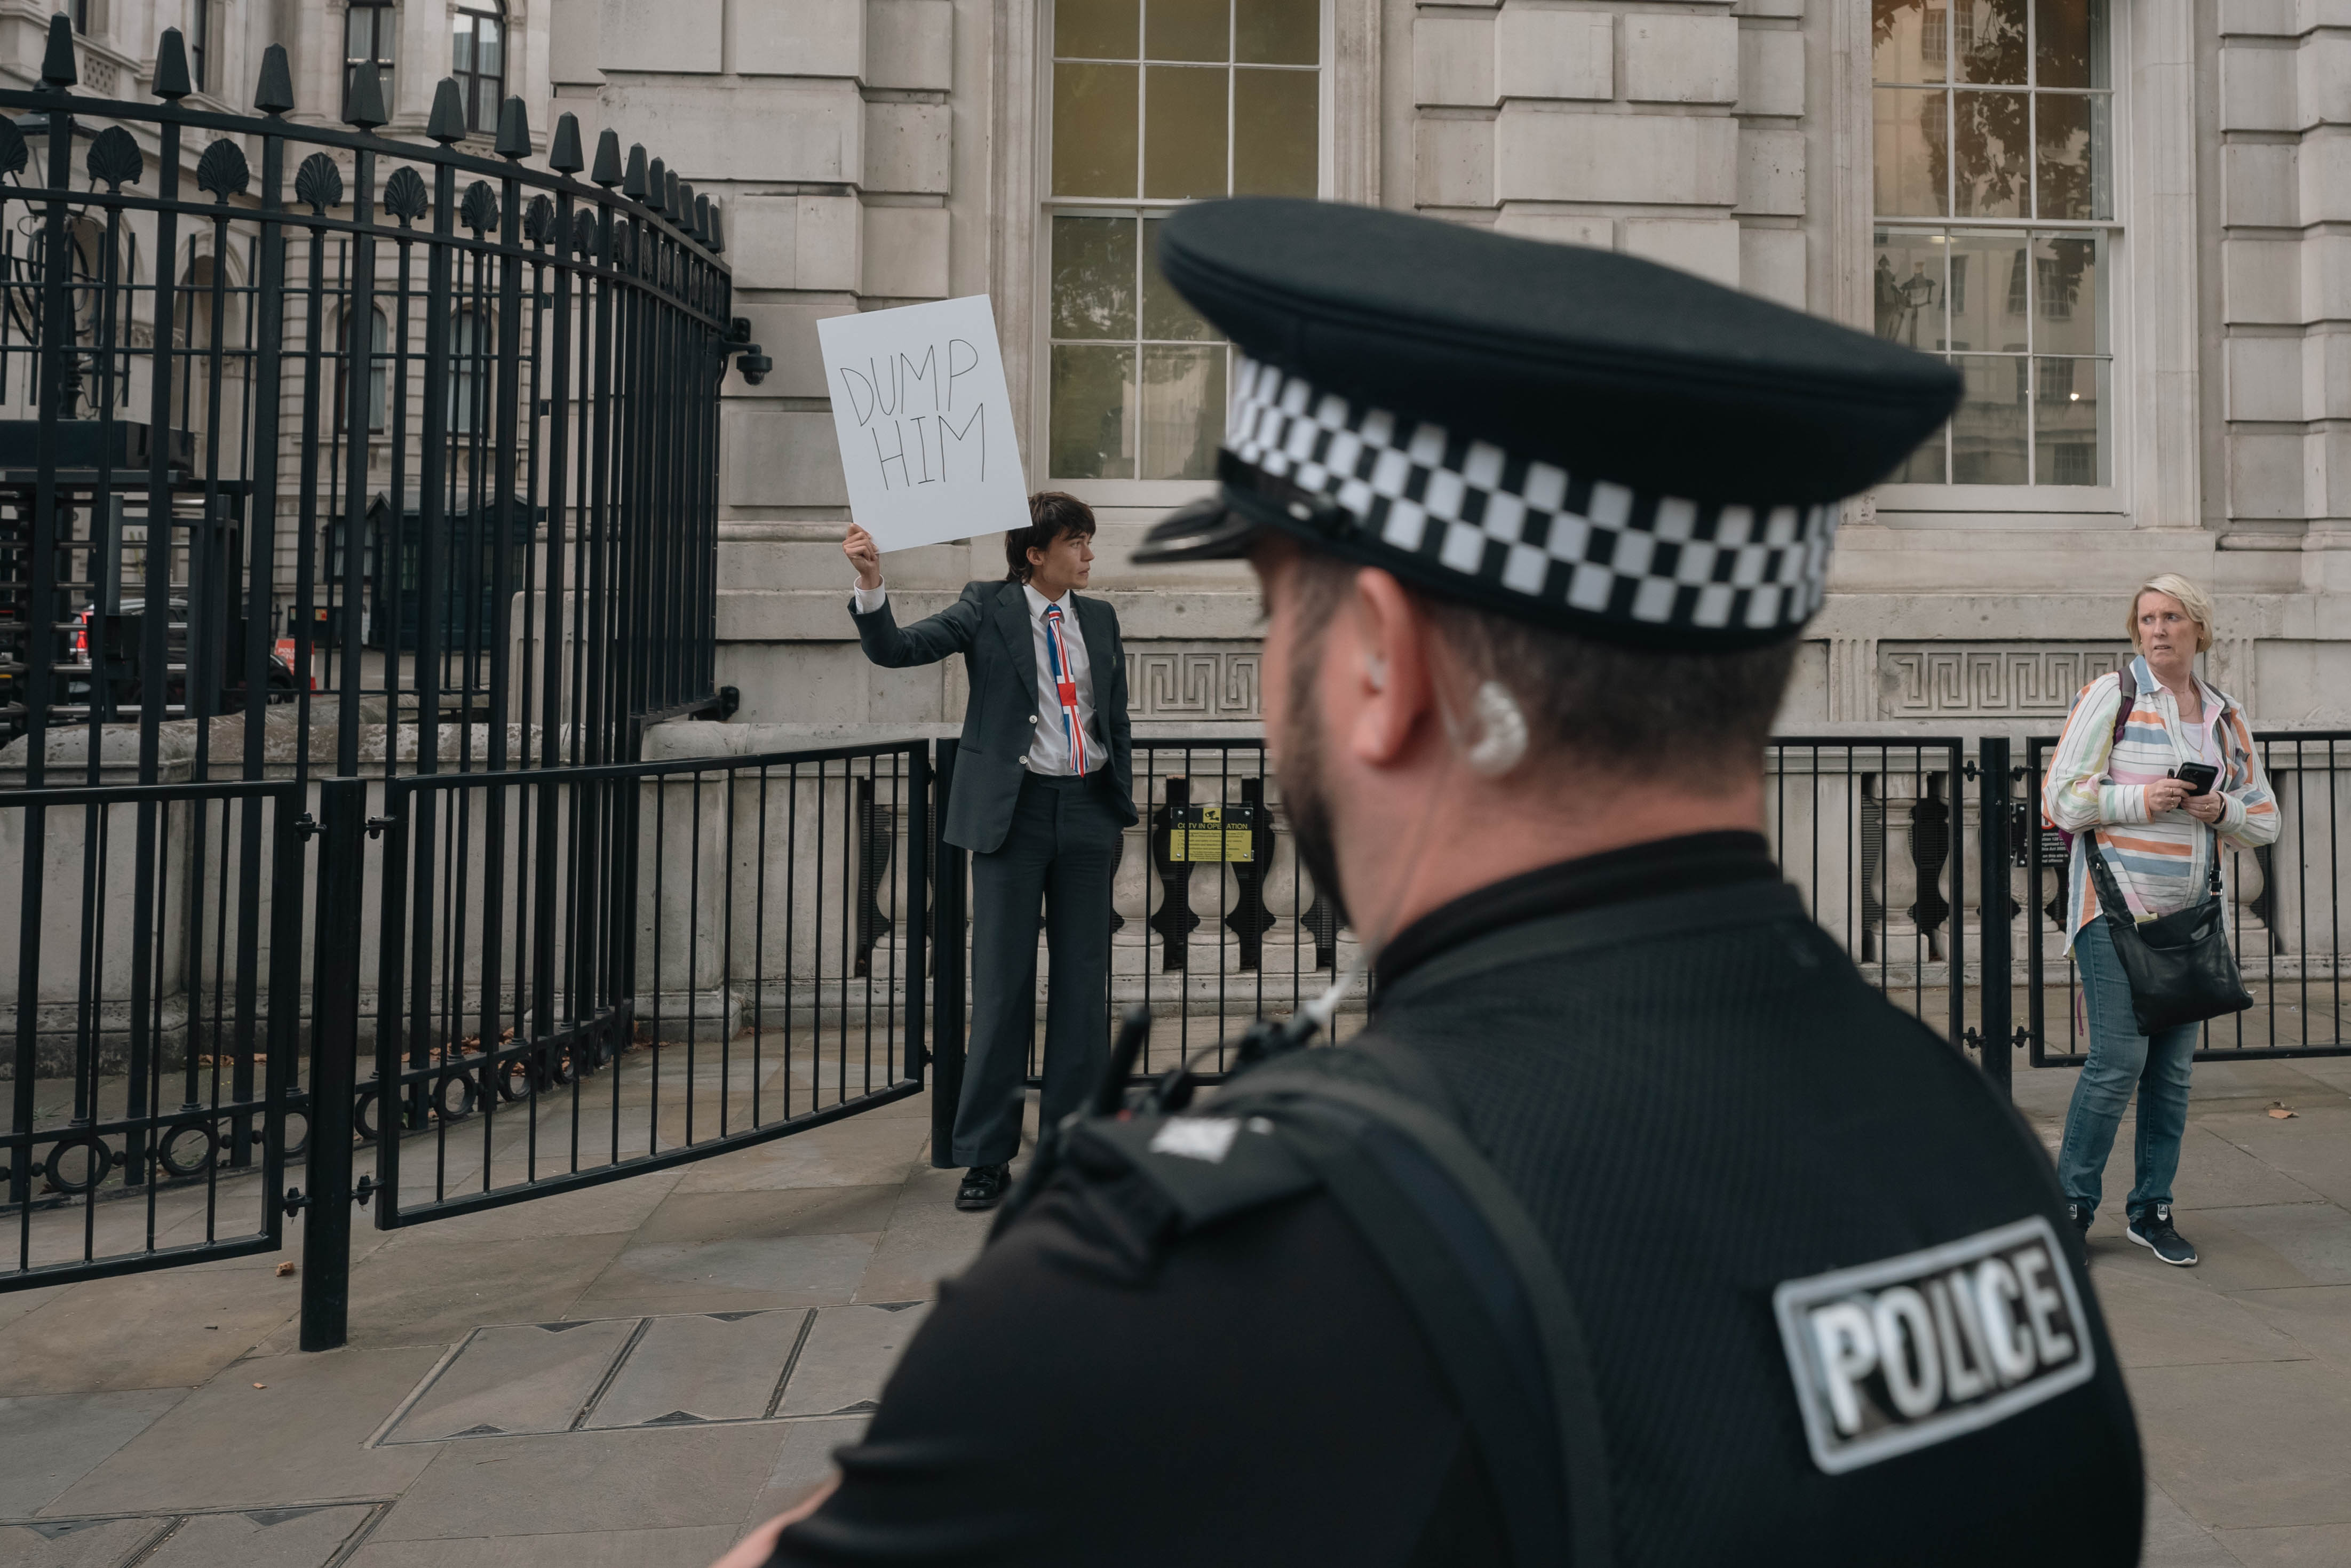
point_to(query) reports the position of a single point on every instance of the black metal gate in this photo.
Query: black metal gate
(366, 491)
(2287, 915)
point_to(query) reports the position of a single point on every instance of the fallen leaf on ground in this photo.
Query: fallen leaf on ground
(2278, 1111)
(261, 1386)
(284, 1269)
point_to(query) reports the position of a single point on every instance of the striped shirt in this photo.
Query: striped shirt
(2096, 782)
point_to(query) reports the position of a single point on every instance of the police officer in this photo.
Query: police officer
(1636, 1229)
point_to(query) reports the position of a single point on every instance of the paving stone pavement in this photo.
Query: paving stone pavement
(673, 1358)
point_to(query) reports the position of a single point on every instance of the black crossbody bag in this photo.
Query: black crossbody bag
(2179, 964)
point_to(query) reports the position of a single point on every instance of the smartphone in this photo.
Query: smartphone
(2199, 776)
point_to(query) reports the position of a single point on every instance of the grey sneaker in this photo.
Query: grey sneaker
(2152, 1230)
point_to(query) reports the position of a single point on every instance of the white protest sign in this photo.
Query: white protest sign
(924, 421)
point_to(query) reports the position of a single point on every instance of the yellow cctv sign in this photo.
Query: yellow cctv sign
(1209, 833)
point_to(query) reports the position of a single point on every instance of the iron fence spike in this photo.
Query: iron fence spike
(365, 105)
(563, 154)
(58, 64)
(656, 185)
(608, 159)
(717, 231)
(172, 82)
(514, 129)
(447, 123)
(632, 184)
(274, 92)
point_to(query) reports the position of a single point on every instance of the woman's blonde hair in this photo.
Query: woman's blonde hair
(2191, 598)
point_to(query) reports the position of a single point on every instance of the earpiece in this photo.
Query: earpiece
(1375, 671)
(1502, 732)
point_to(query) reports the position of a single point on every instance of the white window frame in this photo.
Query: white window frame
(2091, 506)
(1140, 493)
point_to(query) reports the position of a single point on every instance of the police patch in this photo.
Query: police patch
(1917, 1349)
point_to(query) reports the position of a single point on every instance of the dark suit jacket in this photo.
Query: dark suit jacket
(990, 627)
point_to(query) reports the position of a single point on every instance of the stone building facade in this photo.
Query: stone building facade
(2129, 224)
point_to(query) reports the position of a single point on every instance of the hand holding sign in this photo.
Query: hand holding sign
(924, 421)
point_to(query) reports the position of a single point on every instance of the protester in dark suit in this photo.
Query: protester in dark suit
(1043, 793)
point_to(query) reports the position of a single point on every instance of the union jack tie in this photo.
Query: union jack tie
(1065, 687)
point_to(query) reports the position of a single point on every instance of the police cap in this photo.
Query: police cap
(1577, 438)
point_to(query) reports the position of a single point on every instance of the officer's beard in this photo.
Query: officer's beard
(1301, 786)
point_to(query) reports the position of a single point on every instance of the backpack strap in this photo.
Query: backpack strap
(1476, 1271)
(2126, 685)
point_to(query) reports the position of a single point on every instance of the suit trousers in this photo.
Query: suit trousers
(1062, 851)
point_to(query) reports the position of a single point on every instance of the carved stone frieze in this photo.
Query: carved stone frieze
(1917, 679)
(1192, 680)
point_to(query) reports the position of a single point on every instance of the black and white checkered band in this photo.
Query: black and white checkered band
(1469, 507)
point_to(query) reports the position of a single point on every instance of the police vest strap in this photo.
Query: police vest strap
(1476, 1274)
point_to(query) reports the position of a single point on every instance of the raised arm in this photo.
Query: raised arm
(886, 643)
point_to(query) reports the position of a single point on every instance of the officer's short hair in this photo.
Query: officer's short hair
(1051, 513)
(1697, 718)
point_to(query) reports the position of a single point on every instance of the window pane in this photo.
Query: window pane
(2070, 135)
(2069, 437)
(1911, 139)
(1909, 289)
(1094, 131)
(1924, 464)
(2071, 43)
(1911, 37)
(1165, 313)
(1278, 32)
(1095, 29)
(1990, 137)
(490, 47)
(463, 47)
(1182, 412)
(1186, 29)
(387, 33)
(1092, 437)
(1990, 292)
(1988, 431)
(1183, 131)
(2069, 307)
(1093, 277)
(1276, 126)
(1989, 38)
(358, 32)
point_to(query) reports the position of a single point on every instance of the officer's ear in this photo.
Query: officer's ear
(1392, 637)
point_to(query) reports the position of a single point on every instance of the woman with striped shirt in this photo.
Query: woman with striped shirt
(2115, 780)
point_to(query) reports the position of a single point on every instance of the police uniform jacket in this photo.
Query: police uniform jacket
(1832, 1311)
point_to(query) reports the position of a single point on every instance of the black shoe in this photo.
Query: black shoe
(2082, 1214)
(983, 1187)
(2152, 1232)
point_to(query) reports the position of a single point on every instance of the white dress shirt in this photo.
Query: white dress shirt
(1048, 746)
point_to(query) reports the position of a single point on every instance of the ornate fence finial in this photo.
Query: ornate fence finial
(717, 231)
(365, 109)
(656, 185)
(633, 185)
(563, 153)
(275, 95)
(114, 158)
(404, 196)
(514, 129)
(319, 184)
(449, 122)
(58, 64)
(171, 81)
(681, 209)
(701, 222)
(222, 171)
(608, 159)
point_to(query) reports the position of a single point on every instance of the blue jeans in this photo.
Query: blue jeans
(2121, 1057)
